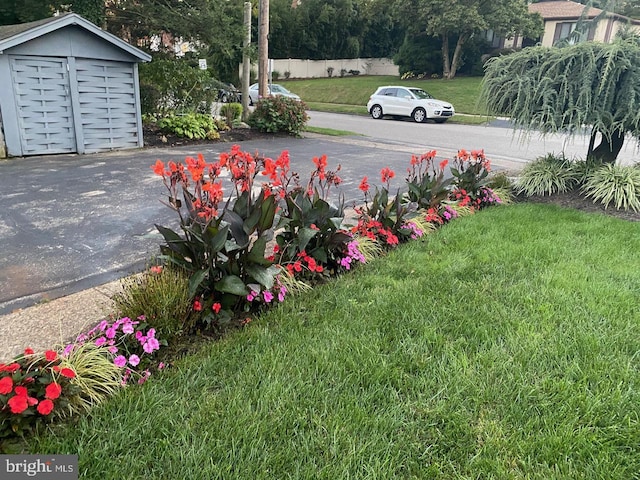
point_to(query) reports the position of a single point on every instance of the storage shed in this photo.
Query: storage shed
(66, 86)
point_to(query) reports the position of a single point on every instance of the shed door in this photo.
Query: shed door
(43, 100)
(107, 99)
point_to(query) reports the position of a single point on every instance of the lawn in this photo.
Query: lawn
(462, 92)
(505, 345)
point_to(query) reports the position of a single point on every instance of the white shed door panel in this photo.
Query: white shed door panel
(107, 98)
(43, 101)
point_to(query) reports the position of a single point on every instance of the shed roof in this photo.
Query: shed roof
(13, 35)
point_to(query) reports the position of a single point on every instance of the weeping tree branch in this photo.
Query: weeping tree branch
(566, 89)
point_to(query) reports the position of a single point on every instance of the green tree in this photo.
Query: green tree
(463, 19)
(556, 90)
(21, 11)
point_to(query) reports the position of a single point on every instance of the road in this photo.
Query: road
(502, 145)
(70, 222)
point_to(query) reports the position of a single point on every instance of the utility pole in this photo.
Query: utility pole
(263, 48)
(246, 61)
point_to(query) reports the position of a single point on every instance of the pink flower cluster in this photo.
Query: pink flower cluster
(116, 337)
(416, 232)
(353, 255)
(267, 296)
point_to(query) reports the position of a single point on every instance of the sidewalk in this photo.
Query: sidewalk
(56, 322)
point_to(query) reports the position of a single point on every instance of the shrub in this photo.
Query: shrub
(162, 296)
(330, 72)
(232, 113)
(275, 75)
(279, 114)
(191, 125)
(175, 85)
(546, 175)
(615, 184)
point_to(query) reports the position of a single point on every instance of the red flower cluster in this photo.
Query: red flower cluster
(299, 265)
(387, 174)
(364, 185)
(374, 230)
(22, 384)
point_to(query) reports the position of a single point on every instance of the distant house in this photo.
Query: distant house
(66, 86)
(561, 17)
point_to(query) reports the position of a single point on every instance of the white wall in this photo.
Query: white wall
(318, 68)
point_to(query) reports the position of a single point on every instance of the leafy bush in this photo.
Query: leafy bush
(161, 295)
(232, 113)
(615, 184)
(175, 85)
(279, 114)
(191, 125)
(546, 175)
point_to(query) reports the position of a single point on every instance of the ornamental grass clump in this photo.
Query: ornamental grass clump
(547, 175)
(615, 184)
(161, 295)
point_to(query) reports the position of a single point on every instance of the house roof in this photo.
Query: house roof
(568, 10)
(562, 9)
(13, 35)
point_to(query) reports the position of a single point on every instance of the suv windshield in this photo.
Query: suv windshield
(419, 93)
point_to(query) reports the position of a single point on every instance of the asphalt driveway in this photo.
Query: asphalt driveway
(71, 222)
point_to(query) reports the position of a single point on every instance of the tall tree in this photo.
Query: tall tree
(464, 18)
(554, 90)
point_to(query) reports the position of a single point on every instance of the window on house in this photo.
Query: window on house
(563, 30)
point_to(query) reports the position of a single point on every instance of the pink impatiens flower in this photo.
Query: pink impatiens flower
(120, 361)
(134, 360)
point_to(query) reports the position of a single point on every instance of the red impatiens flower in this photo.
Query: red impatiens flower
(12, 367)
(45, 407)
(28, 351)
(18, 404)
(67, 372)
(197, 306)
(216, 307)
(50, 355)
(6, 385)
(52, 391)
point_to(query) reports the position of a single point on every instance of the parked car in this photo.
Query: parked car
(228, 93)
(274, 89)
(408, 102)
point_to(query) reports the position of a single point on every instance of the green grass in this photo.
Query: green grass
(506, 345)
(462, 92)
(330, 131)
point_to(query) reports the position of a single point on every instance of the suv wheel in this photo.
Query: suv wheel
(376, 112)
(419, 115)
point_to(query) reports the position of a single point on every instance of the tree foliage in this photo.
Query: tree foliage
(465, 18)
(330, 29)
(563, 89)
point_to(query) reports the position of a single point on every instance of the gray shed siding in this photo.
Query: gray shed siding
(69, 91)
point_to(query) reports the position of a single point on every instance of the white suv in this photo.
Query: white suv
(408, 102)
